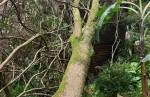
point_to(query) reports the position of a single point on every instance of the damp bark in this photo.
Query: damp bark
(81, 41)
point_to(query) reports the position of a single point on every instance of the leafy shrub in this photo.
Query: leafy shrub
(17, 89)
(115, 79)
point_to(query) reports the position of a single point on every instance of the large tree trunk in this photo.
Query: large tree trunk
(73, 80)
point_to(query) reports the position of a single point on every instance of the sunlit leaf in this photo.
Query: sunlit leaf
(147, 58)
(130, 3)
(102, 18)
(146, 8)
(105, 14)
(133, 10)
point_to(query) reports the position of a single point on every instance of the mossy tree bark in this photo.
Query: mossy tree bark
(73, 80)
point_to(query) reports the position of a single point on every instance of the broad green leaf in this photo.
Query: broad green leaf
(105, 14)
(146, 8)
(103, 17)
(133, 10)
(147, 58)
(130, 3)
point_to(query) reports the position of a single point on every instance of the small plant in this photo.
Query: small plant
(18, 88)
(119, 78)
(142, 13)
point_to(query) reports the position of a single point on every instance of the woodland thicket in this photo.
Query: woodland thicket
(74, 48)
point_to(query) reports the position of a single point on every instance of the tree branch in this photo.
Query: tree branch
(93, 12)
(3, 2)
(90, 25)
(16, 49)
(19, 18)
(24, 44)
(77, 20)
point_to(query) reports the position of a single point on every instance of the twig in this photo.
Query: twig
(31, 64)
(19, 17)
(28, 83)
(60, 1)
(40, 94)
(3, 2)
(24, 44)
(16, 49)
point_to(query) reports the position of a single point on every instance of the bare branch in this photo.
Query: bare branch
(3, 2)
(24, 44)
(34, 61)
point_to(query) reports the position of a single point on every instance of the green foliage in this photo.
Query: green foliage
(141, 11)
(121, 78)
(17, 90)
(147, 58)
(104, 15)
(91, 91)
(132, 94)
(115, 79)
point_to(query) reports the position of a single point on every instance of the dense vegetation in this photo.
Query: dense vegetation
(39, 39)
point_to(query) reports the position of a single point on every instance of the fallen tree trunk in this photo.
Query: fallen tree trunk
(73, 80)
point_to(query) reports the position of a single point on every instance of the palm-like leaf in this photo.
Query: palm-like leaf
(102, 19)
(140, 11)
(105, 14)
(147, 58)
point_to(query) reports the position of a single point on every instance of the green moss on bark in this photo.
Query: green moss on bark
(75, 43)
(77, 49)
(91, 52)
(62, 86)
(74, 58)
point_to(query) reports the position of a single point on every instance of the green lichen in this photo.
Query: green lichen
(63, 83)
(62, 86)
(74, 40)
(91, 52)
(75, 43)
(75, 57)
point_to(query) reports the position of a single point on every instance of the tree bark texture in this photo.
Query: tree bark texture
(143, 66)
(73, 80)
